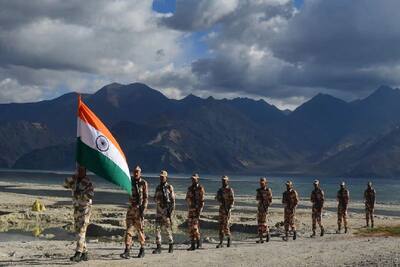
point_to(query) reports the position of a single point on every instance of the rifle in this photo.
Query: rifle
(263, 205)
(221, 197)
(265, 208)
(195, 200)
(169, 203)
(287, 200)
(139, 200)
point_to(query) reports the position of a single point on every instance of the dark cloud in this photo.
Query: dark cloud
(343, 47)
(193, 15)
(340, 32)
(242, 60)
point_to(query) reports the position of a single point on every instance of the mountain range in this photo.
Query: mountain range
(325, 136)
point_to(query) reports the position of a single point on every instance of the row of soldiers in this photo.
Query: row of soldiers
(83, 192)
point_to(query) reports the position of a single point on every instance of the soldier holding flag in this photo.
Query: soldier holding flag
(82, 194)
(98, 151)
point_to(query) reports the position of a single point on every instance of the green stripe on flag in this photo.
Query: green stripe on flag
(101, 165)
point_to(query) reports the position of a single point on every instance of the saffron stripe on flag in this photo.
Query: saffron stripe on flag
(86, 115)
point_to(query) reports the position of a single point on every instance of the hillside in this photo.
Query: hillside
(325, 135)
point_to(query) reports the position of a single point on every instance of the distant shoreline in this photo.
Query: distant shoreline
(216, 175)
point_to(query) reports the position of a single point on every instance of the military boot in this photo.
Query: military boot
(228, 242)
(76, 257)
(322, 231)
(141, 252)
(192, 246)
(220, 245)
(126, 254)
(157, 250)
(294, 235)
(261, 240)
(84, 256)
(338, 230)
(286, 237)
(372, 224)
(313, 233)
(171, 248)
(198, 244)
(345, 230)
(268, 237)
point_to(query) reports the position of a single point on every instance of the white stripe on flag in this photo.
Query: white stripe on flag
(89, 134)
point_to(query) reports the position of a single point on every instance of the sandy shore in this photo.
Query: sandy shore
(51, 248)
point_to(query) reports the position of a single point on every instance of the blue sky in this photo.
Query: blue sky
(196, 39)
(164, 6)
(168, 6)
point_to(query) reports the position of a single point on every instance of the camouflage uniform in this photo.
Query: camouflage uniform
(317, 200)
(195, 201)
(264, 198)
(135, 214)
(369, 197)
(342, 197)
(290, 199)
(225, 197)
(82, 194)
(165, 201)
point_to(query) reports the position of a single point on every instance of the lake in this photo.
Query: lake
(388, 190)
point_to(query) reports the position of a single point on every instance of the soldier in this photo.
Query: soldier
(342, 198)
(317, 200)
(195, 201)
(225, 197)
(290, 199)
(264, 198)
(135, 214)
(165, 200)
(369, 198)
(82, 195)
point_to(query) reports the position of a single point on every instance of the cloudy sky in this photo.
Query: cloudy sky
(284, 51)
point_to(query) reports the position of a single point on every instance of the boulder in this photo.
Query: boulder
(96, 230)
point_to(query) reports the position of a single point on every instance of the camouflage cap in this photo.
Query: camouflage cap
(137, 168)
(316, 182)
(289, 183)
(263, 179)
(224, 177)
(195, 176)
(164, 173)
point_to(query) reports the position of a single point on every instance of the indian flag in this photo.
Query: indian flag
(98, 150)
